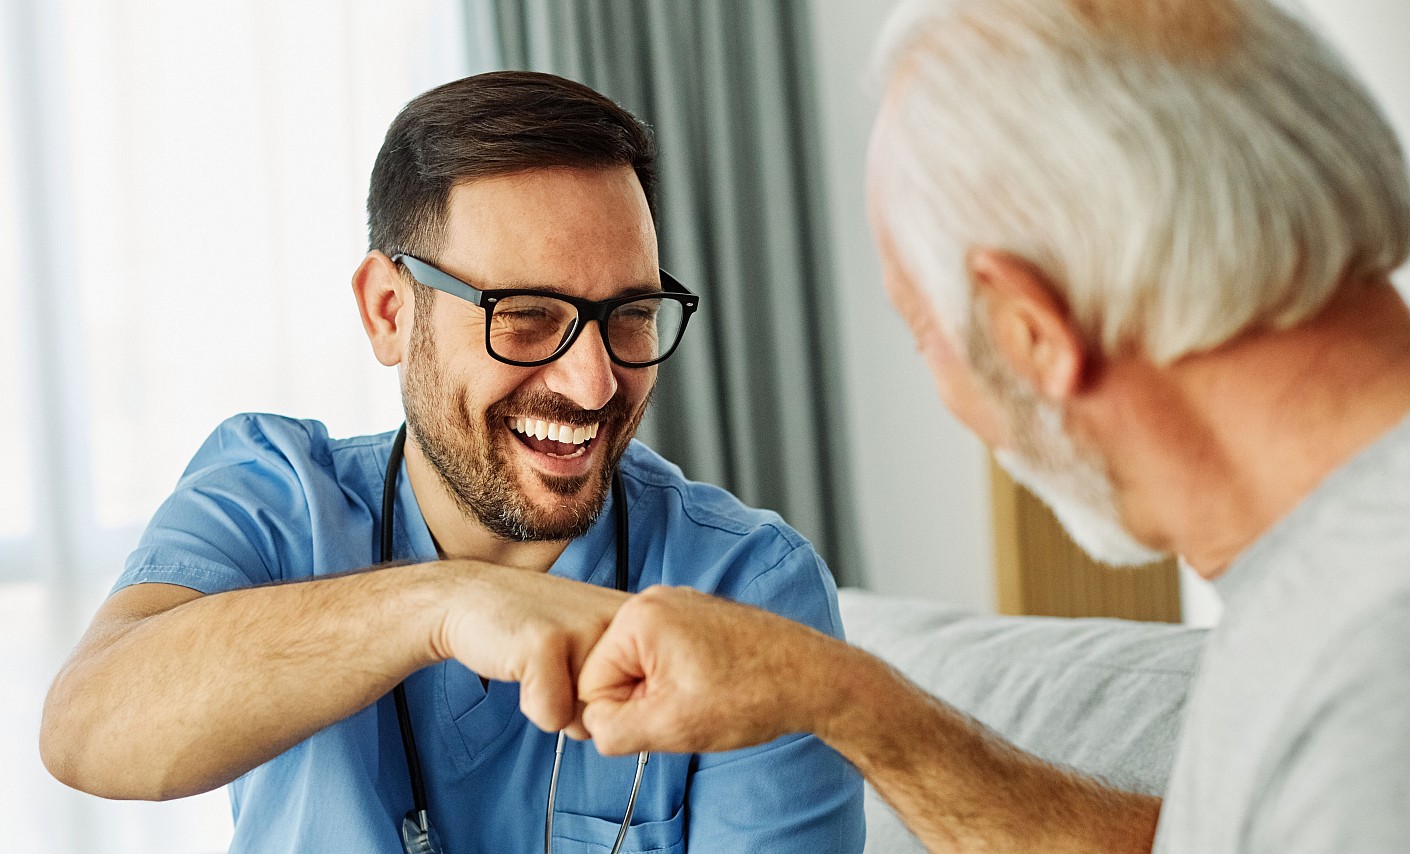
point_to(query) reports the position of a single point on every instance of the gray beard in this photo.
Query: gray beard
(1073, 483)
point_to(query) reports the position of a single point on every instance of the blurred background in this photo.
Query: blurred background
(181, 208)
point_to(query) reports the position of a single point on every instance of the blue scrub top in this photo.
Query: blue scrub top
(270, 499)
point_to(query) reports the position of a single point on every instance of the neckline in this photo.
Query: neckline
(1250, 568)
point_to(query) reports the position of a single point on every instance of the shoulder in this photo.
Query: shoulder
(1339, 776)
(1370, 652)
(702, 536)
(703, 504)
(264, 445)
(1353, 698)
(262, 437)
(265, 498)
(275, 466)
(659, 488)
(259, 439)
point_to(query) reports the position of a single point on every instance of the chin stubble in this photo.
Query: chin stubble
(473, 466)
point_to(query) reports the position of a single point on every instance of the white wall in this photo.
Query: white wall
(921, 479)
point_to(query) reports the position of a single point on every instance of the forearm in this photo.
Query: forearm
(188, 699)
(685, 672)
(959, 786)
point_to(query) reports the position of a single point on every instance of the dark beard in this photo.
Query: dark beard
(472, 465)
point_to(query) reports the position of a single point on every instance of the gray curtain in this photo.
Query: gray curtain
(752, 401)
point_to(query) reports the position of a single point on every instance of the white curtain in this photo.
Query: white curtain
(181, 208)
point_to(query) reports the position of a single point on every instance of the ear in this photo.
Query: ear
(385, 300)
(1029, 323)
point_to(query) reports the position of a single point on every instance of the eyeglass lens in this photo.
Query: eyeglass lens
(528, 328)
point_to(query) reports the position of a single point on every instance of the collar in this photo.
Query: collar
(590, 558)
(1365, 476)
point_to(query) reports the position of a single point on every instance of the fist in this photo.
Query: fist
(683, 672)
(527, 627)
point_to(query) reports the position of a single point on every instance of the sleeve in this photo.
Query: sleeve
(794, 794)
(236, 518)
(1342, 782)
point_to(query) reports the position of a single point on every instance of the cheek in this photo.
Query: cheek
(962, 393)
(636, 385)
(472, 382)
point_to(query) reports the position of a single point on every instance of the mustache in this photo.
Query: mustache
(548, 406)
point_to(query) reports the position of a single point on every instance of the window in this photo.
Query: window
(184, 186)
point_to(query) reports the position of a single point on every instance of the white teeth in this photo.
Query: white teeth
(553, 431)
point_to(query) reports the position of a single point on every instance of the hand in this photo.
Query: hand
(520, 626)
(684, 672)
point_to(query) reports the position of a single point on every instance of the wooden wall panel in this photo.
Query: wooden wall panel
(1041, 571)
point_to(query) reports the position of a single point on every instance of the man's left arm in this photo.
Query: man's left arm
(794, 793)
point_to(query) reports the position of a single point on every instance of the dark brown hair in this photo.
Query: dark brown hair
(487, 125)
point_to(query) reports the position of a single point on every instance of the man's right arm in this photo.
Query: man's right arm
(172, 692)
(681, 671)
(958, 785)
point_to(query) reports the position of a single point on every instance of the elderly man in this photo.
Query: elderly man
(1144, 246)
(513, 281)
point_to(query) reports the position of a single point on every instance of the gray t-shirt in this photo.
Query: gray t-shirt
(1297, 734)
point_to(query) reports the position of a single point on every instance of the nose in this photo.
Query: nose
(585, 373)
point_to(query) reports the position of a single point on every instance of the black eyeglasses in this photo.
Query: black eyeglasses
(527, 327)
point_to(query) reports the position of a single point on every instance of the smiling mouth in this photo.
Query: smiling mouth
(565, 441)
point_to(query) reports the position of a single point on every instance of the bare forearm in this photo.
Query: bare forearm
(959, 786)
(682, 671)
(190, 698)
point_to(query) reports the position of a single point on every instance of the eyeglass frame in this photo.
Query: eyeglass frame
(598, 310)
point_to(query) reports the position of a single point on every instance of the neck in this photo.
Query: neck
(1246, 431)
(458, 534)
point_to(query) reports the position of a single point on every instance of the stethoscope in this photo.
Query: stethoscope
(417, 835)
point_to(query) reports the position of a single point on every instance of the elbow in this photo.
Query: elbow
(55, 758)
(67, 745)
(60, 746)
(74, 764)
(78, 754)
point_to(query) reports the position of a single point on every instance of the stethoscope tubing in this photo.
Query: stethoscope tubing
(418, 837)
(641, 759)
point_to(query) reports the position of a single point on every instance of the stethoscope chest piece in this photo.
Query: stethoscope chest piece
(419, 839)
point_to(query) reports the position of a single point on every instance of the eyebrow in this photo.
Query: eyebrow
(628, 291)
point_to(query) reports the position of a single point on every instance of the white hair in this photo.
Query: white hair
(1183, 171)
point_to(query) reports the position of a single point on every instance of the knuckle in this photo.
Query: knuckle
(609, 743)
(546, 640)
(543, 713)
(653, 601)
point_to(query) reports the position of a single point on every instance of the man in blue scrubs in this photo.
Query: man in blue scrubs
(245, 644)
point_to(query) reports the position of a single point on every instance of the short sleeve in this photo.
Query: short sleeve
(1342, 782)
(238, 517)
(794, 794)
